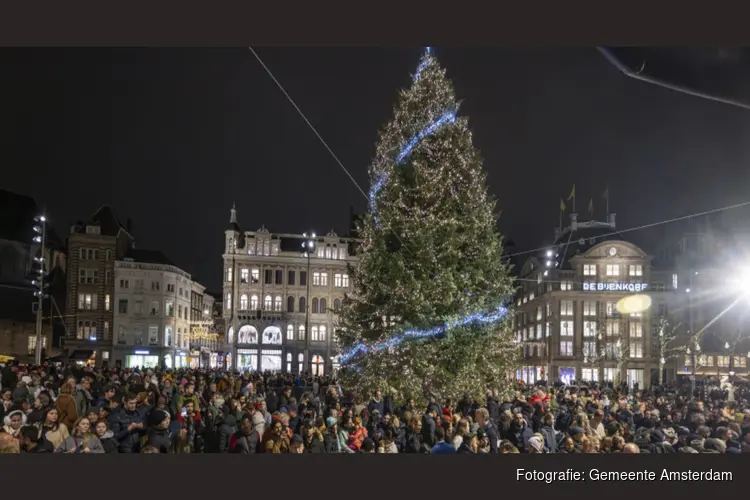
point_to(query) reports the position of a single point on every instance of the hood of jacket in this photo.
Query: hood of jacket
(107, 435)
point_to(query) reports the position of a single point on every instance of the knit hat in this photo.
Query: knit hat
(536, 443)
(330, 421)
(158, 416)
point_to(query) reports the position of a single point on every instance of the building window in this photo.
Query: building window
(300, 362)
(254, 303)
(636, 350)
(244, 275)
(228, 302)
(636, 330)
(302, 304)
(105, 330)
(539, 331)
(155, 286)
(124, 284)
(674, 281)
(168, 336)
(589, 328)
(108, 255)
(170, 287)
(589, 308)
(279, 277)
(337, 280)
(323, 306)
(589, 269)
(290, 304)
(88, 276)
(589, 350)
(567, 328)
(611, 309)
(314, 306)
(635, 270)
(243, 302)
(169, 309)
(566, 285)
(228, 275)
(546, 329)
(566, 308)
(316, 279)
(107, 277)
(277, 303)
(336, 304)
(107, 304)
(322, 334)
(314, 333)
(610, 374)
(153, 335)
(613, 327)
(122, 306)
(613, 270)
(740, 362)
(289, 362)
(32, 343)
(290, 278)
(290, 332)
(154, 308)
(255, 275)
(566, 348)
(301, 333)
(722, 361)
(268, 276)
(539, 313)
(267, 303)
(87, 301)
(303, 278)
(323, 279)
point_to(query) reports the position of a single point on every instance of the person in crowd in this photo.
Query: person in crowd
(81, 440)
(215, 410)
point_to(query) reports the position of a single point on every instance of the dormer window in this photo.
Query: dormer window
(93, 230)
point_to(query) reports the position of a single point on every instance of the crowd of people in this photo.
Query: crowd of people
(68, 409)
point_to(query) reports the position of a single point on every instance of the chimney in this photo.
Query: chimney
(76, 226)
(129, 226)
(611, 219)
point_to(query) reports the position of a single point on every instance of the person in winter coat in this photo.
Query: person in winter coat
(127, 426)
(83, 397)
(377, 403)
(548, 432)
(428, 427)
(82, 440)
(158, 434)
(41, 405)
(247, 439)
(483, 420)
(31, 443)
(67, 408)
(52, 429)
(106, 437)
(13, 422)
(227, 428)
(312, 439)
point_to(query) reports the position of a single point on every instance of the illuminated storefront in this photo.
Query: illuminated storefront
(270, 360)
(247, 360)
(141, 359)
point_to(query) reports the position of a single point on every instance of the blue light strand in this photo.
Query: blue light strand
(379, 184)
(481, 317)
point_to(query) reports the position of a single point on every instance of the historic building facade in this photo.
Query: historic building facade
(271, 321)
(590, 308)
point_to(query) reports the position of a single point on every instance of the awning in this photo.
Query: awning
(81, 355)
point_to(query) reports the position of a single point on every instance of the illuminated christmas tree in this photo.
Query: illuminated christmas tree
(427, 310)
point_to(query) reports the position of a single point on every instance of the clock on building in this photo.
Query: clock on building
(612, 251)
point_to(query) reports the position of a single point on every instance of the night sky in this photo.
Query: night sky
(171, 137)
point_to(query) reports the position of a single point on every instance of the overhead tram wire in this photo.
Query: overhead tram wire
(320, 138)
(637, 228)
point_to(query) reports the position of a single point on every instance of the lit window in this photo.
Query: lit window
(316, 279)
(277, 303)
(566, 285)
(337, 281)
(87, 301)
(243, 301)
(539, 313)
(636, 350)
(255, 275)
(589, 328)
(267, 303)
(566, 348)
(244, 275)
(567, 328)
(636, 330)
(539, 331)
(613, 270)
(589, 308)
(229, 275)
(635, 270)
(546, 329)
(589, 349)
(106, 302)
(722, 361)
(289, 334)
(254, 303)
(566, 308)
(589, 269)
(613, 327)
(323, 279)
(674, 281)
(301, 333)
(611, 308)
(32, 343)
(228, 302)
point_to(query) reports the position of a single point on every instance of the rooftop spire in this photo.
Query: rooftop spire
(233, 215)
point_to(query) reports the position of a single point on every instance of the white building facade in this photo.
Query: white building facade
(152, 313)
(266, 303)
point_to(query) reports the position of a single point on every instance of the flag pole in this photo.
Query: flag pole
(606, 190)
(574, 198)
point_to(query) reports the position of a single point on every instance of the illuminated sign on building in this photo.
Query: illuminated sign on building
(615, 287)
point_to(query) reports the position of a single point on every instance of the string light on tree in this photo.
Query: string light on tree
(428, 309)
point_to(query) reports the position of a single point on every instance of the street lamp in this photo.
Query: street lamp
(308, 249)
(40, 238)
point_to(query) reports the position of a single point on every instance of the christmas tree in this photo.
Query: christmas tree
(427, 310)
